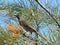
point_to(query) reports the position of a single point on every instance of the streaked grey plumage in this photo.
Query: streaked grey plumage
(27, 26)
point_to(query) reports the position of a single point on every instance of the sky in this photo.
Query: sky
(55, 3)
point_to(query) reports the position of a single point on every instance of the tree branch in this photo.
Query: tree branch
(51, 15)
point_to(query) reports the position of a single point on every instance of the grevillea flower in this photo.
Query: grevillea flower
(12, 28)
(15, 30)
(16, 35)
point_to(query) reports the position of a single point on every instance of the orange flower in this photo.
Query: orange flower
(15, 30)
(16, 35)
(12, 28)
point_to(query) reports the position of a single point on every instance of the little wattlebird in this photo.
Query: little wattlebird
(27, 26)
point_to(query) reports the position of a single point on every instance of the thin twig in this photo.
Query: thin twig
(51, 15)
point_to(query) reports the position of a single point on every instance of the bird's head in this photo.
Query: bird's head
(19, 17)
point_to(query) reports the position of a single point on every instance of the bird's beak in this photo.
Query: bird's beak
(12, 17)
(15, 15)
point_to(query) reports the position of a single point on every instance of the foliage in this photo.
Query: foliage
(37, 17)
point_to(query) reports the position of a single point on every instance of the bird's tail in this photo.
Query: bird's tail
(40, 35)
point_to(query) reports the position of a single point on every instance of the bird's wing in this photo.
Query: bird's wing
(29, 25)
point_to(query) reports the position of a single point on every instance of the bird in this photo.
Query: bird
(27, 25)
